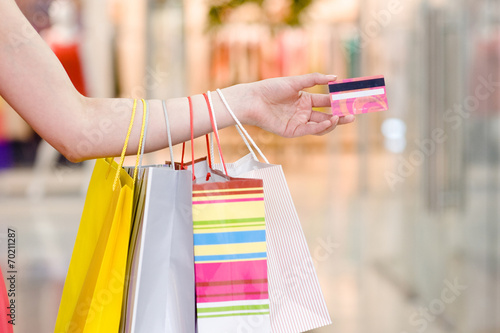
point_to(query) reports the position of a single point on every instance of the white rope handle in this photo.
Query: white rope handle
(246, 142)
(240, 126)
(216, 130)
(169, 136)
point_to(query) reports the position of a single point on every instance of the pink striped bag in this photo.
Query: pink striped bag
(230, 256)
(296, 301)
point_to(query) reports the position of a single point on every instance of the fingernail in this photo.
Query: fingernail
(350, 118)
(332, 77)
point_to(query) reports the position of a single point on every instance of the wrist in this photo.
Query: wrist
(240, 99)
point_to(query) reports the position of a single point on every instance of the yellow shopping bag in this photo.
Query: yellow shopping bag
(93, 290)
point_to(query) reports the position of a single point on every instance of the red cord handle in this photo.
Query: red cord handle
(192, 134)
(192, 143)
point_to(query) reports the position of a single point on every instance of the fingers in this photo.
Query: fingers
(316, 128)
(321, 126)
(318, 117)
(320, 100)
(346, 120)
(312, 79)
(334, 122)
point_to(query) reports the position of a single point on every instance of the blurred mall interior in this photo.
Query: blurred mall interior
(401, 209)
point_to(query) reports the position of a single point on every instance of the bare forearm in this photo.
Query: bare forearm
(104, 128)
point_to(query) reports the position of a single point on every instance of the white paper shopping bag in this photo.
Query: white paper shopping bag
(164, 299)
(161, 294)
(296, 301)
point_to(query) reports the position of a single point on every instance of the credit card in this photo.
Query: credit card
(358, 95)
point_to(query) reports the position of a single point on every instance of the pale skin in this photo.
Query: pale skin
(35, 84)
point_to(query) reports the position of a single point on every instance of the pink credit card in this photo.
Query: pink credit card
(358, 95)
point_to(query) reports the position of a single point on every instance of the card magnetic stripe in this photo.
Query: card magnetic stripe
(356, 85)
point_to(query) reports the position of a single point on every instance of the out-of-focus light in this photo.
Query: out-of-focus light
(394, 131)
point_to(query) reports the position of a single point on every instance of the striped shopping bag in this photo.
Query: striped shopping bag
(230, 256)
(296, 301)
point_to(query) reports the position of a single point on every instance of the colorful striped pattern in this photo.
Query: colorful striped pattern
(359, 95)
(296, 301)
(230, 254)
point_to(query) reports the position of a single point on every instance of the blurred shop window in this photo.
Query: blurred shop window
(37, 12)
(230, 42)
(63, 37)
(487, 67)
(252, 40)
(394, 131)
(483, 86)
(17, 144)
(58, 23)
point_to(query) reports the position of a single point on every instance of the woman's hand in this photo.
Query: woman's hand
(281, 106)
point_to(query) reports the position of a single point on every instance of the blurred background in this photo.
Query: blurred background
(400, 210)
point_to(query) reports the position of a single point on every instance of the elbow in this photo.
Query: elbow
(70, 151)
(72, 157)
(72, 141)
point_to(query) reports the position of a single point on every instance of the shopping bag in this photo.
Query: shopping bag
(162, 298)
(229, 252)
(93, 291)
(7, 311)
(297, 302)
(230, 255)
(136, 228)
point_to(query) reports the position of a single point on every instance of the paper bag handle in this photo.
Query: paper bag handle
(192, 135)
(243, 132)
(139, 150)
(169, 136)
(145, 126)
(192, 142)
(214, 128)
